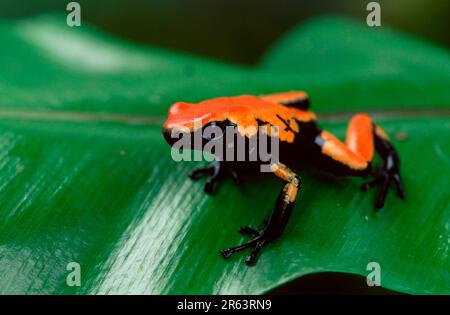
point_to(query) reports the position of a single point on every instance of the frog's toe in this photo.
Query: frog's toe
(383, 179)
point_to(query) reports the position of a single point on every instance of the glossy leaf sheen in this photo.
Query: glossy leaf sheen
(86, 176)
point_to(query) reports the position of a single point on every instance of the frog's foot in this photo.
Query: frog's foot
(261, 239)
(217, 170)
(383, 176)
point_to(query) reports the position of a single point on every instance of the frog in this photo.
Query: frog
(300, 139)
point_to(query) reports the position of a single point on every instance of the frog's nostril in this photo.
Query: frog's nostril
(177, 108)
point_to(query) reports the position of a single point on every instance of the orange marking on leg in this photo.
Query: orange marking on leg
(338, 151)
(281, 171)
(360, 136)
(291, 188)
(291, 194)
(380, 132)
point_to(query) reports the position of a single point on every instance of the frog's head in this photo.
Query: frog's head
(193, 125)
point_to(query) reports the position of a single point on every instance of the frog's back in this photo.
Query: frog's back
(244, 111)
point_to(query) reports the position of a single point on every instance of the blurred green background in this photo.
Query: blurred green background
(233, 30)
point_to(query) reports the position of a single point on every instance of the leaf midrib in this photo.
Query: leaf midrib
(157, 120)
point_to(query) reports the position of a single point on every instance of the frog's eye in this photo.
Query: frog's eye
(212, 131)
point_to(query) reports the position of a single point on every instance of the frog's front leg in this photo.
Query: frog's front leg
(217, 170)
(274, 227)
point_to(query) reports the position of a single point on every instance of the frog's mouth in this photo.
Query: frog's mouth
(172, 136)
(184, 138)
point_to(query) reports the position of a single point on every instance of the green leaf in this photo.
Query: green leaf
(86, 176)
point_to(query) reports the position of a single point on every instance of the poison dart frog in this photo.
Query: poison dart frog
(300, 138)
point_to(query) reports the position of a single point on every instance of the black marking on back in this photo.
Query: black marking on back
(308, 131)
(287, 124)
(261, 122)
(300, 103)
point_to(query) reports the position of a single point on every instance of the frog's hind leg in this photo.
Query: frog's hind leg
(355, 156)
